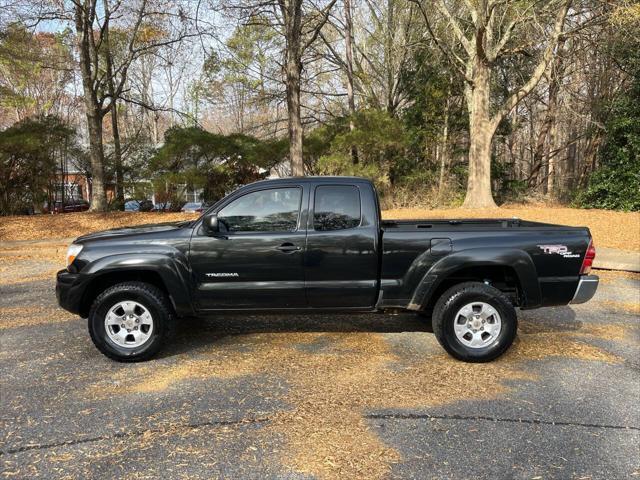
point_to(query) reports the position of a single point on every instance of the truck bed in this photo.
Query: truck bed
(412, 247)
(465, 223)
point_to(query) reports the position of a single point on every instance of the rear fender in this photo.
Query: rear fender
(518, 260)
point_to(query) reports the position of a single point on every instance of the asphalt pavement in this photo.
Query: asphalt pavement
(317, 396)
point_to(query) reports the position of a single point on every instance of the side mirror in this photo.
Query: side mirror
(210, 223)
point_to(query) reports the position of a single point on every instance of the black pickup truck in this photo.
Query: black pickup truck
(319, 244)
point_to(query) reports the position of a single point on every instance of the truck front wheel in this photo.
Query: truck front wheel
(130, 321)
(474, 322)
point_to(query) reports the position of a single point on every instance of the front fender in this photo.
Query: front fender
(172, 267)
(517, 259)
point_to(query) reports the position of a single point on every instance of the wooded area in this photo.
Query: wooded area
(442, 102)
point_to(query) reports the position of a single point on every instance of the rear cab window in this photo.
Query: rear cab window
(336, 207)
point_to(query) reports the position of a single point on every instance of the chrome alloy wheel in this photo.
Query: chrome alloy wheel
(477, 324)
(128, 324)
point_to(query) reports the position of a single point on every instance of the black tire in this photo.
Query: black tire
(153, 299)
(453, 300)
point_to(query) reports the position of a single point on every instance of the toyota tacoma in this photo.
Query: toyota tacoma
(319, 244)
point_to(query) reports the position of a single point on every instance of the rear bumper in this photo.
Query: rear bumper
(69, 290)
(587, 287)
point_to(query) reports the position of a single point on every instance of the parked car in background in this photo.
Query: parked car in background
(168, 206)
(138, 205)
(68, 206)
(162, 207)
(193, 207)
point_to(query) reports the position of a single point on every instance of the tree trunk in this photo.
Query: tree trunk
(293, 69)
(481, 130)
(96, 155)
(84, 17)
(117, 155)
(348, 44)
(552, 162)
(389, 55)
(555, 79)
(444, 151)
(117, 150)
(539, 152)
(295, 119)
(570, 173)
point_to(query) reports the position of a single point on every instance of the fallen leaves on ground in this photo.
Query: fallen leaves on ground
(11, 317)
(609, 228)
(623, 307)
(331, 388)
(41, 227)
(611, 276)
(30, 263)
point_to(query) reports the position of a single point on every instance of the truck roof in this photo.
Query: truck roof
(310, 179)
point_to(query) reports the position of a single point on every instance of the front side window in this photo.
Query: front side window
(273, 210)
(336, 207)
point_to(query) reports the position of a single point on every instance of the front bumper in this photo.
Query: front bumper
(69, 290)
(587, 287)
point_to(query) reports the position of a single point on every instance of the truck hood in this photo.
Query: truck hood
(132, 231)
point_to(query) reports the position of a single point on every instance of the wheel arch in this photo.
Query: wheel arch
(511, 271)
(159, 270)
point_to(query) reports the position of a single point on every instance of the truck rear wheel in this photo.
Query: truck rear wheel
(474, 322)
(129, 322)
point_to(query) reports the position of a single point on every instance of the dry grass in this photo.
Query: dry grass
(609, 228)
(326, 433)
(605, 225)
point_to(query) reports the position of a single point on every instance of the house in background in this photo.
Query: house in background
(72, 183)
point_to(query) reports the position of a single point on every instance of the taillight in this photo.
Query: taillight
(587, 263)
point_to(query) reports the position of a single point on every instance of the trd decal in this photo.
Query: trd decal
(558, 249)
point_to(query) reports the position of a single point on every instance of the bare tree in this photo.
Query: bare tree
(299, 22)
(348, 53)
(300, 31)
(104, 74)
(477, 36)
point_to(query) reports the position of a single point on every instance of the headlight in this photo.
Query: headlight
(72, 252)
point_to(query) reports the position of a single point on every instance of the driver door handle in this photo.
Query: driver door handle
(288, 248)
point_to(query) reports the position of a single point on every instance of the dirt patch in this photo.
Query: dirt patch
(609, 228)
(325, 432)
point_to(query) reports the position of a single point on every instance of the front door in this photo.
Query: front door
(255, 260)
